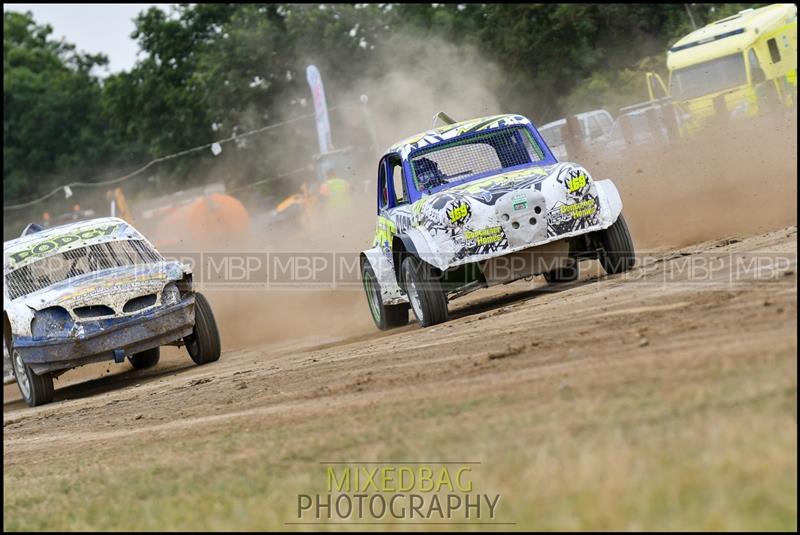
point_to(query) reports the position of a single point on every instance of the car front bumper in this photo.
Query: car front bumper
(131, 334)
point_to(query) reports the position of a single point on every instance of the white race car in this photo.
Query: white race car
(483, 202)
(93, 291)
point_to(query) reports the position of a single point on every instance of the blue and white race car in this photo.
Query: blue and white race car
(483, 202)
(94, 291)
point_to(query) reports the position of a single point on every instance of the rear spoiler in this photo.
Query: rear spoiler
(442, 116)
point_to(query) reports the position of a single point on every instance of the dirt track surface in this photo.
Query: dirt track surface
(664, 301)
(545, 357)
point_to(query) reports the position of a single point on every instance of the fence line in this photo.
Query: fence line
(269, 179)
(170, 157)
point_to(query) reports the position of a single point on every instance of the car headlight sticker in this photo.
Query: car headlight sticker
(50, 321)
(171, 295)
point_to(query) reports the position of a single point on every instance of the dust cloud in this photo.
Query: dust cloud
(427, 77)
(724, 181)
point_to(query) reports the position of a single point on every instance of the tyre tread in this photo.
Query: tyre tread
(433, 299)
(619, 253)
(205, 332)
(391, 316)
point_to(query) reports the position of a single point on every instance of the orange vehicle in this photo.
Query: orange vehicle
(216, 221)
(206, 217)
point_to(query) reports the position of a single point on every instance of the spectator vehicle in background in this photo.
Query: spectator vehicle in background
(594, 125)
(478, 203)
(748, 60)
(94, 291)
(637, 125)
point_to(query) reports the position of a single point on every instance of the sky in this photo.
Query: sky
(93, 28)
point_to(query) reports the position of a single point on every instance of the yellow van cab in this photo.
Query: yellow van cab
(749, 58)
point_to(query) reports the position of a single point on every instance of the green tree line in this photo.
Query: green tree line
(210, 70)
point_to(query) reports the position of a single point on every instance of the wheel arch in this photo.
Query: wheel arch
(382, 264)
(610, 201)
(402, 245)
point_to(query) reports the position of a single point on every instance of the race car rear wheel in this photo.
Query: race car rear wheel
(567, 273)
(425, 293)
(203, 344)
(145, 359)
(35, 389)
(618, 253)
(384, 316)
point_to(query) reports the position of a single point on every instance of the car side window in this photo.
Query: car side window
(595, 130)
(605, 122)
(774, 52)
(383, 188)
(398, 182)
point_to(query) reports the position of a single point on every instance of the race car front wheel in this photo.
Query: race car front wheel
(618, 254)
(384, 316)
(35, 389)
(203, 344)
(145, 359)
(425, 292)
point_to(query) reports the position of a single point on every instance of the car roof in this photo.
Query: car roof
(122, 230)
(450, 131)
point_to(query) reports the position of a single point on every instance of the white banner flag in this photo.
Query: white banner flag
(320, 109)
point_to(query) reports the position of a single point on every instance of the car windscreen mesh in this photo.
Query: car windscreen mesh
(63, 266)
(476, 155)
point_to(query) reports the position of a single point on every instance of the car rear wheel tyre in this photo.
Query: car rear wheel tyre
(425, 293)
(566, 273)
(145, 359)
(618, 254)
(203, 344)
(35, 389)
(384, 316)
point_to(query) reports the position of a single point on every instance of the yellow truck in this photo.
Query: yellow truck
(745, 62)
